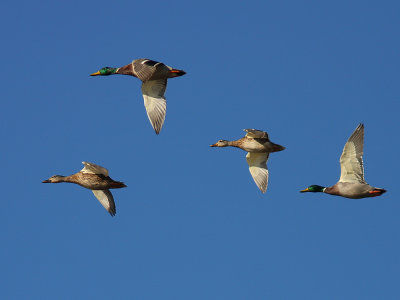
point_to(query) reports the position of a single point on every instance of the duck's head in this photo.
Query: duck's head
(220, 143)
(313, 189)
(54, 179)
(105, 71)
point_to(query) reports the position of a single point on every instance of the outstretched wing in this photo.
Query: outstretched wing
(258, 169)
(106, 199)
(155, 103)
(351, 161)
(256, 134)
(91, 168)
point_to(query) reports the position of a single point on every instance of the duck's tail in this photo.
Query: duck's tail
(117, 185)
(276, 148)
(377, 192)
(176, 73)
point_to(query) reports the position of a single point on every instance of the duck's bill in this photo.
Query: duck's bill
(95, 73)
(46, 181)
(305, 190)
(213, 145)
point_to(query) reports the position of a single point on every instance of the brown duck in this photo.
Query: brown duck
(258, 146)
(95, 178)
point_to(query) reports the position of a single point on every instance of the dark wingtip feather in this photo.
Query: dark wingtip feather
(112, 212)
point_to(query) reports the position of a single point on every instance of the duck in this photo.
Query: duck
(95, 178)
(153, 75)
(351, 183)
(258, 147)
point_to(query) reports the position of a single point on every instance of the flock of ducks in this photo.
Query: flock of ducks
(256, 143)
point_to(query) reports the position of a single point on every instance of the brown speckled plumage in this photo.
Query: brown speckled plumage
(94, 181)
(258, 146)
(95, 178)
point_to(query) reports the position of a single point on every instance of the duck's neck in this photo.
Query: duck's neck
(70, 178)
(236, 143)
(332, 190)
(125, 70)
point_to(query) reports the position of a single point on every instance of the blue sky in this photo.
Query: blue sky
(192, 224)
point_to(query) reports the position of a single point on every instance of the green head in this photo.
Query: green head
(314, 189)
(105, 71)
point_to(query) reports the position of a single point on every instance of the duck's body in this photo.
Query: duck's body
(353, 190)
(255, 145)
(258, 146)
(154, 77)
(95, 178)
(92, 181)
(147, 69)
(351, 183)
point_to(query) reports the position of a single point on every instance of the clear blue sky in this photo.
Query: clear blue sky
(192, 224)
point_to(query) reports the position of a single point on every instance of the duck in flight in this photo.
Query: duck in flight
(95, 178)
(351, 183)
(258, 146)
(154, 77)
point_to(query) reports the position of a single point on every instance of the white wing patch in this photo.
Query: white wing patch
(351, 161)
(155, 103)
(91, 168)
(106, 199)
(258, 169)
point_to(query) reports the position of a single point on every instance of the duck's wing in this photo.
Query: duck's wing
(154, 101)
(91, 168)
(145, 68)
(258, 169)
(106, 199)
(256, 134)
(351, 161)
